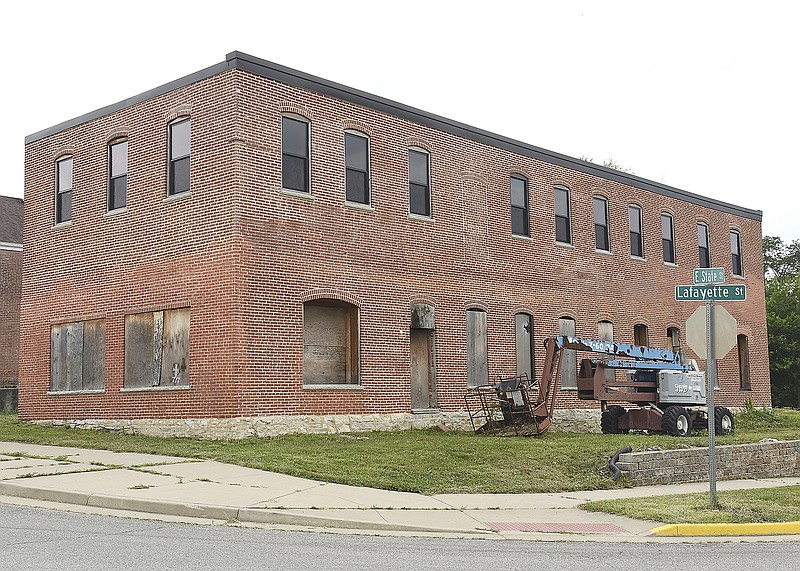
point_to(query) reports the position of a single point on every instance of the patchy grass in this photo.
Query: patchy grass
(780, 504)
(423, 461)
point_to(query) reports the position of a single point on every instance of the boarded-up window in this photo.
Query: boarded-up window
(641, 335)
(569, 358)
(477, 348)
(78, 356)
(330, 343)
(744, 362)
(524, 343)
(674, 338)
(157, 349)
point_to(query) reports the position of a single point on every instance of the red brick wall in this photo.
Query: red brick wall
(10, 285)
(244, 256)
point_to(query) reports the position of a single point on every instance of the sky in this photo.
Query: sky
(703, 96)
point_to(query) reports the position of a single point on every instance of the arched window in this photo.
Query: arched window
(601, 239)
(180, 150)
(736, 254)
(562, 211)
(477, 348)
(117, 174)
(640, 335)
(296, 153)
(330, 343)
(64, 189)
(523, 324)
(744, 362)
(519, 205)
(419, 182)
(356, 161)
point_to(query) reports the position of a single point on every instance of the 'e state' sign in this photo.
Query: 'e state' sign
(709, 276)
(710, 293)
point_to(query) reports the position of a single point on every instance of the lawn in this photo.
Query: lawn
(424, 461)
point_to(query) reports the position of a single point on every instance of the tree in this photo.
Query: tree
(609, 163)
(782, 281)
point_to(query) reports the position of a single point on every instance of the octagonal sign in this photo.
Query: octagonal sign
(724, 332)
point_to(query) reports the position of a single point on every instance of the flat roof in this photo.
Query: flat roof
(277, 72)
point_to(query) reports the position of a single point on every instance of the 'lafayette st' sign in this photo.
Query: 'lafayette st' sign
(712, 292)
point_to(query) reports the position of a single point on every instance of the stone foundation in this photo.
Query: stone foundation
(266, 426)
(772, 459)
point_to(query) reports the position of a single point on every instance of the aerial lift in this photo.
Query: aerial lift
(667, 394)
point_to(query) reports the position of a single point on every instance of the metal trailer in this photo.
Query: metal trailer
(668, 395)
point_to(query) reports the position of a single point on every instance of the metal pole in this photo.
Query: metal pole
(711, 374)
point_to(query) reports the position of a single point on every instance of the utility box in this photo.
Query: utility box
(679, 387)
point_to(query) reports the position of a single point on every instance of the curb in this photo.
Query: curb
(721, 529)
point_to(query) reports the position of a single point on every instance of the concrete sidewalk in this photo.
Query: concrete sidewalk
(170, 487)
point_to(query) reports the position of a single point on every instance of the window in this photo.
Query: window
(736, 254)
(117, 174)
(563, 224)
(295, 155)
(641, 335)
(330, 343)
(744, 362)
(78, 356)
(674, 338)
(157, 349)
(569, 359)
(356, 160)
(667, 239)
(519, 206)
(523, 323)
(477, 348)
(635, 226)
(419, 183)
(702, 242)
(180, 148)
(64, 190)
(601, 224)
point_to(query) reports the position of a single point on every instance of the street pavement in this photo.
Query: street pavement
(181, 489)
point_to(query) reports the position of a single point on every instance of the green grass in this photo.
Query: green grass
(736, 506)
(423, 461)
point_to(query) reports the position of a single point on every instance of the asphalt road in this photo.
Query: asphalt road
(34, 538)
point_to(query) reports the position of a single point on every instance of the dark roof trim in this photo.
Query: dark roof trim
(270, 70)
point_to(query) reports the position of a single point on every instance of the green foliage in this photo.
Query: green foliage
(752, 418)
(609, 163)
(782, 277)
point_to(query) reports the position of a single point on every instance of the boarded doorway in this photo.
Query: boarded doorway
(423, 357)
(477, 349)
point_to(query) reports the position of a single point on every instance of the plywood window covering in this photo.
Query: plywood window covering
(477, 348)
(569, 359)
(78, 356)
(157, 349)
(330, 343)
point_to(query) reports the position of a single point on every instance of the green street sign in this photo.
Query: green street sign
(709, 275)
(710, 292)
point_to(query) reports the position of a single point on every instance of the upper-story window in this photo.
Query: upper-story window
(179, 156)
(601, 241)
(635, 226)
(296, 154)
(519, 205)
(667, 239)
(702, 243)
(419, 182)
(64, 190)
(563, 223)
(736, 254)
(117, 174)
(356, 161)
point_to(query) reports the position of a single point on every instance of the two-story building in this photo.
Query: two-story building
(253, 250)
(11, 210)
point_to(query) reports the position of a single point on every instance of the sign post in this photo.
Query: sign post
(707, 288)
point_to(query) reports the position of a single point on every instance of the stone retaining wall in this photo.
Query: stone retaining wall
(266, 426)
(763, 460)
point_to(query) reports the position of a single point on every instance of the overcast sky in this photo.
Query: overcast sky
(704, 96)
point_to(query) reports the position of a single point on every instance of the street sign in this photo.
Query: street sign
(711, 292)
(724, 332)
(709, 275)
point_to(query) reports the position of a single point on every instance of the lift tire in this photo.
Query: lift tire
(609, 420)
(676, 421)
(723, 420)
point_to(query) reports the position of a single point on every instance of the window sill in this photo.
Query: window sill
(65, 393)
(522, 237)
(359, 206)
(603, 252)
(341, 387)
(155, 389)
(297, 194)
(420, 217)
(638, 258)
(428, 411)
(116, 212)
(178, 197)
(671, 264)
(566, 245)
(65, 224)
(737, 277)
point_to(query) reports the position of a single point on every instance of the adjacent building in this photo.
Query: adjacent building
(251, 250)
(10, 288)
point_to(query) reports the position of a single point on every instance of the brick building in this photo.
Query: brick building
(250, 250)
(10, 287)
